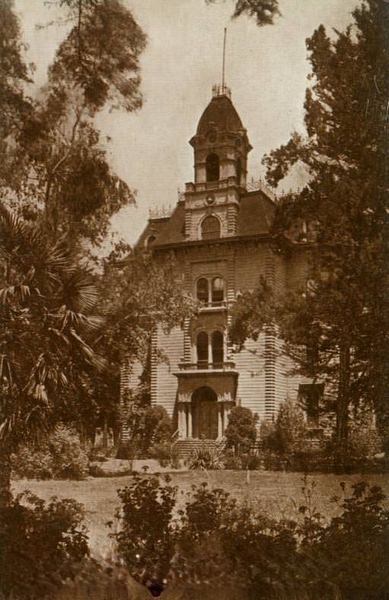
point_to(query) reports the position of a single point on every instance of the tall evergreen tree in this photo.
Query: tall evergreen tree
(342, 315)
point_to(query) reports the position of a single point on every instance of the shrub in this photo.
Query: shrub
(215, 544)
(353, 550)
(288, 434)
(241, 430)
(158, 428)
(41, 545)
(32, 463)
(146, 541)
(206, 459)
(166, 453)
(363, 443)
(60, 457)
(236, 462)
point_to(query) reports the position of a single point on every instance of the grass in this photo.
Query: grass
(275, 493)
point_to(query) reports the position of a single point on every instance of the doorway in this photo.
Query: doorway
(205, 414)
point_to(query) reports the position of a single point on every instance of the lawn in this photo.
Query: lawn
(275, 493)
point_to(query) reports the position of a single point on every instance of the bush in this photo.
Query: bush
(353, 549)
(146, 541)
(206, 459)
(237, 462)
(288, 434)
(166, 454)
(216, 544)
(363, 443)
(60, 457)
(158, 427)
(241, 430)
(41, 545)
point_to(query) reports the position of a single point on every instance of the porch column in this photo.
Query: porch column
(227, 410)
(189, 419)
(219, 420)
(181, 421)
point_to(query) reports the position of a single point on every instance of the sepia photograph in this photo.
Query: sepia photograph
(194, 299)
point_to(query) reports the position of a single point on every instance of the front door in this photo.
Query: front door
(205, 414)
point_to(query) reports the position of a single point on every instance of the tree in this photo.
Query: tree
(138, 293)
(58, 169)
(345, 152)
(264, 11)
(46, 317)
(241, 429)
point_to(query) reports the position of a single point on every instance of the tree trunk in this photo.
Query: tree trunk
(105, 434)
(343, 401)
(5, 478)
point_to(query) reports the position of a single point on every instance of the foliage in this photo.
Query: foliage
(158, 427)
(102, 581)
(290, 431)
(206, 458)
(133, 309)
(246, 461)
(241, 429)
(363, 441)
(166, 453)
(343, 207)
(59, 457)
(359, 539)
(146, 539)
(263, 11)
(46, 316)
(41, 545)
(55, 166)
(222, 545)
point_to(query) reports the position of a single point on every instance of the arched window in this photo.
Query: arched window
(217, 290)
(217, 349)
(210, 228)
(202, 290)
(238, 171)
(202, 349)
(212, 167)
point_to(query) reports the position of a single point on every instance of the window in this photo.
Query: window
(217, 349)
(150, 241)
(217, 290)
(310, 396)
(210, 228)
(202, 290)
(212, 167)
(210, 291)
(202, 349)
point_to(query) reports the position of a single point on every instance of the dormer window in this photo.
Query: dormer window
(150, 241)
(210, 228)
(212, 167)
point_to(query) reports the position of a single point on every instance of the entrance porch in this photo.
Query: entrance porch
(203, 404)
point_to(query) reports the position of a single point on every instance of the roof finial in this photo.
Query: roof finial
(222, 90)
(224, 58)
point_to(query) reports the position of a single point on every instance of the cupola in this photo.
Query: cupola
(220, 144)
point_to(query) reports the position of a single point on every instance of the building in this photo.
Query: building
(220, 234)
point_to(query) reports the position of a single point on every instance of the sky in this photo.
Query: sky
(266, 69)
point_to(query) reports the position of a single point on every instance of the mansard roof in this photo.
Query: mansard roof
(220, 113)
(255, 218)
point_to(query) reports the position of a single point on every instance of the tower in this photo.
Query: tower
(221, 148)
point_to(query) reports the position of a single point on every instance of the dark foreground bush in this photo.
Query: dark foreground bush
(214, 544)
(41, 545)
(59, 457)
